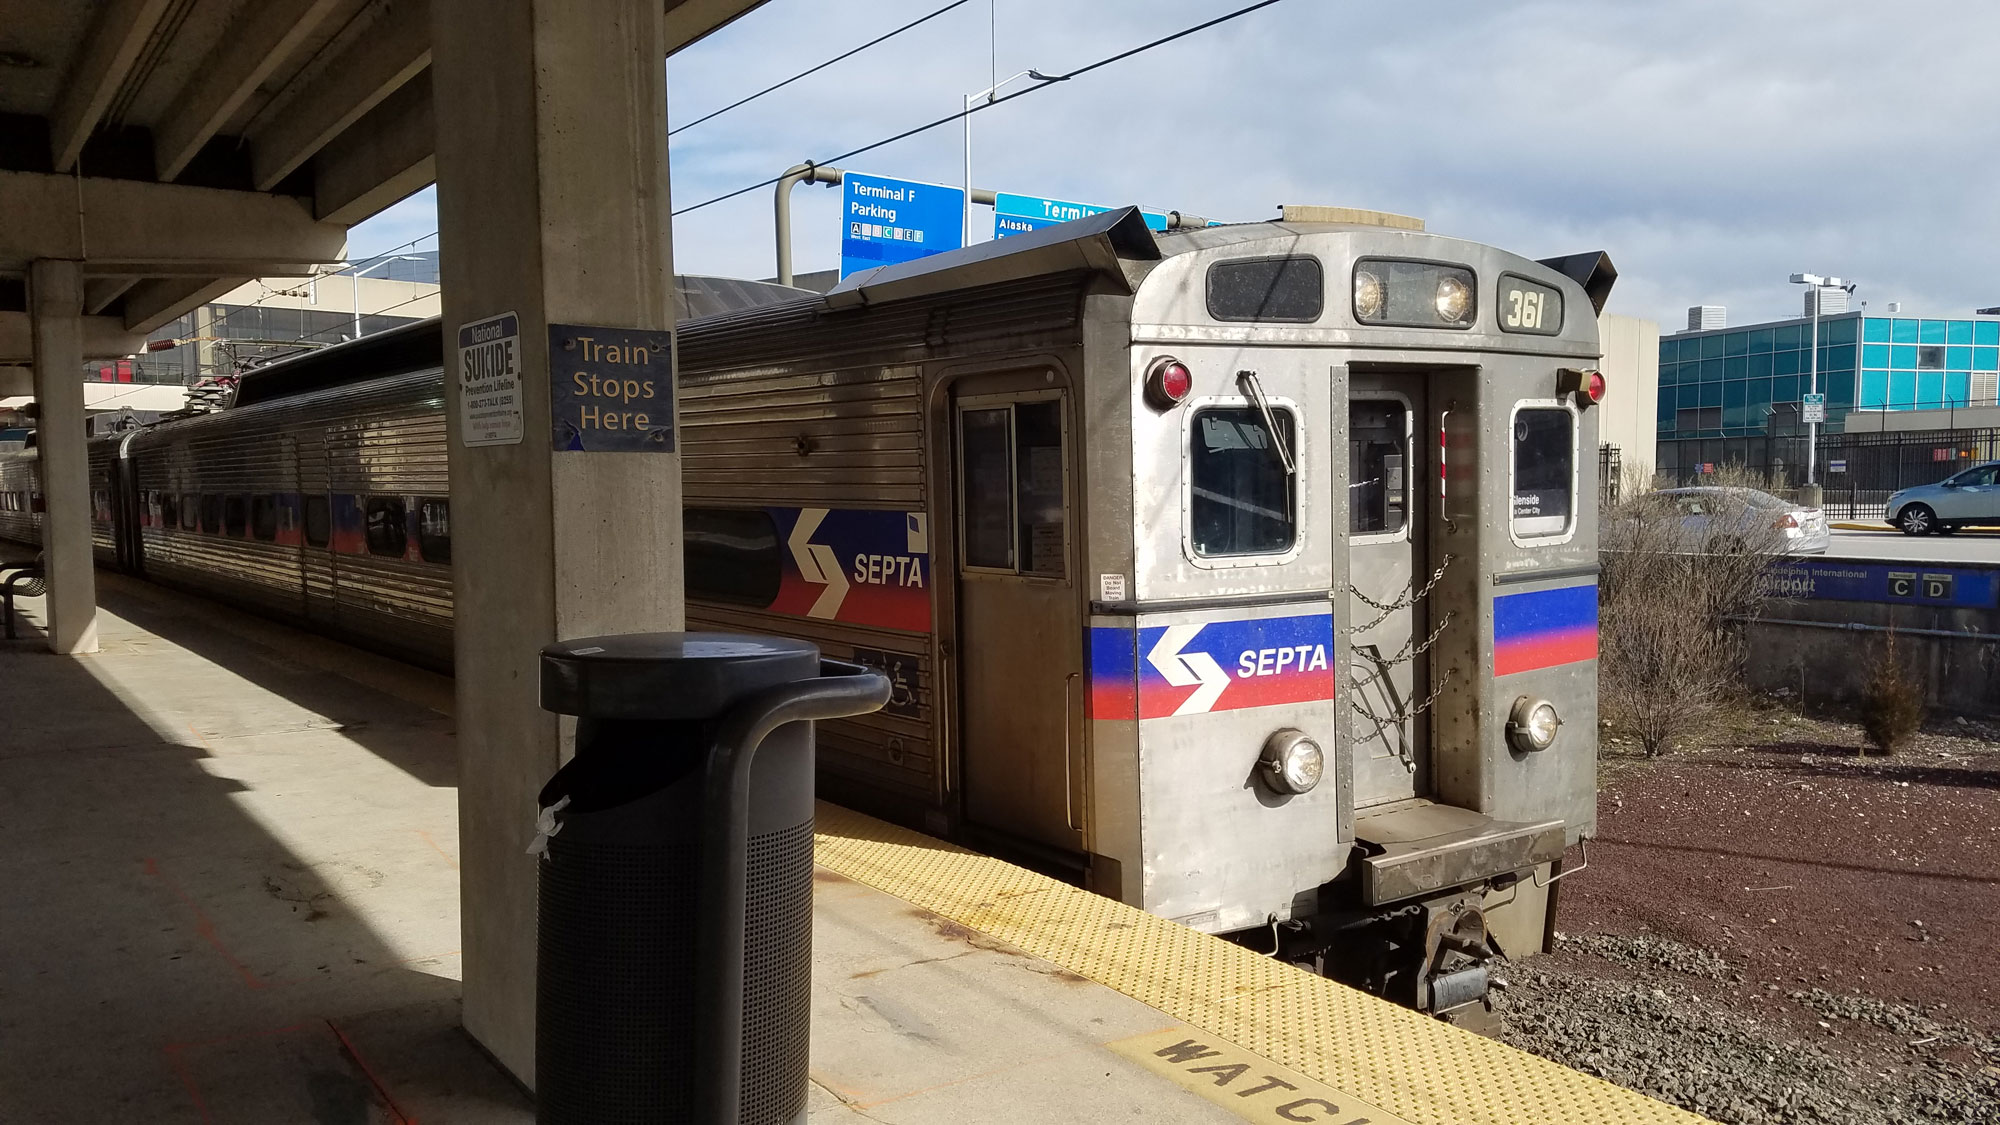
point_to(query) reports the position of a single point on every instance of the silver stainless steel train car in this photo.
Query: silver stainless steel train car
(1246, 574)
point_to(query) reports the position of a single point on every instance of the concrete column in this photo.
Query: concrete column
(552, 204)
(56, 306)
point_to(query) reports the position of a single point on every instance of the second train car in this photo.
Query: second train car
(1246, 574)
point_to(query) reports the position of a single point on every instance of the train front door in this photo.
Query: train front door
(1019, 628)
(1387, 574)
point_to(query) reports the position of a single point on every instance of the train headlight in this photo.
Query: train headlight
(1370, 299)
(1292, 762)
(1168, 381)
(1533, 724)
(1454, 299)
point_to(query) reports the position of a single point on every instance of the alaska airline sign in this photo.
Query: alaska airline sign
(860, 566)
(1199, 667)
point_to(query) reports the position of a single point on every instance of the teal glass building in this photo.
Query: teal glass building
(1733, 395)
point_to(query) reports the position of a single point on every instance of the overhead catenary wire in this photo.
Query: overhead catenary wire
(411, 244)
(883, 38)
(986, 105)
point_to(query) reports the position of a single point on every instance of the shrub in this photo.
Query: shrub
(1892, 707)
(1675, 593)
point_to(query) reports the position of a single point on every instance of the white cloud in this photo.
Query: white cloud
(1711, 146)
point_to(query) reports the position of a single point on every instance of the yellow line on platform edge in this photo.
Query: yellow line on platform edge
(1418, 1068)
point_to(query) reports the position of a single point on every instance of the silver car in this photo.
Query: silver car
(1966, 497)
(1794, 530)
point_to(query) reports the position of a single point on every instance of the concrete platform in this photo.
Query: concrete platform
(234, 898)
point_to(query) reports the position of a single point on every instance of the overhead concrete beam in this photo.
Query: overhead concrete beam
(99, 292)
(392, 51)
(104, 337)
(131, 227)
(381, 158)
(153, 303)
(116, 37)
(253, 46)
(691, 20)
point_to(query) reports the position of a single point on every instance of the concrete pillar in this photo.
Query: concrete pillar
(552, 204)
(56, 306)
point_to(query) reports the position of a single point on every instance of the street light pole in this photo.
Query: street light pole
(1819, 287)
(965, 120)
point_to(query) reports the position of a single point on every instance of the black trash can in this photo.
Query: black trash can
(674, 970)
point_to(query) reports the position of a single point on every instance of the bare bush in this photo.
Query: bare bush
(1681, 577)
(1892, 707)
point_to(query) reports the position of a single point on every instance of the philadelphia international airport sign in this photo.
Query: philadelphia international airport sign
(885, 221)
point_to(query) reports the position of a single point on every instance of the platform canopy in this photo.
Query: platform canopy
(178, 148)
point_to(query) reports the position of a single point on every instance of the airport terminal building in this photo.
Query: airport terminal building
(1735, 395)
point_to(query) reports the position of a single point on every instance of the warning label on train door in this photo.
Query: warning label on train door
(489, 381)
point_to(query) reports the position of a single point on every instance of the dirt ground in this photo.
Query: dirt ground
(1780, 929)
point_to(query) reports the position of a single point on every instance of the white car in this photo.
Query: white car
(1969, 496)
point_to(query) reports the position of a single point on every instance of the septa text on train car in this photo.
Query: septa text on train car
(1197, 667)
(861, 566)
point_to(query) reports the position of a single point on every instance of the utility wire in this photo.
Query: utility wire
(820, 67)
(411, 244)
(986, 105)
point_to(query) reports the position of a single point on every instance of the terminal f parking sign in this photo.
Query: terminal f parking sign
(489, 381)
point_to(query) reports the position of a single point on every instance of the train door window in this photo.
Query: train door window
(1241, 496)
(235, 514)
(211, 513)
(388, 526)
(1544, 471)
(264, 516)
(1011, 462)
(319, 521)
(1378, 466)
(986, 466)
(434, 529)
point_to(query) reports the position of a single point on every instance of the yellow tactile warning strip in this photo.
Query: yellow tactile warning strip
(1407, 1064)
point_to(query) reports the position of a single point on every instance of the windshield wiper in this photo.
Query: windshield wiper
(1253, 389)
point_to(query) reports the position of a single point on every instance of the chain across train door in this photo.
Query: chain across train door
(1387, 612)
(1019, 628)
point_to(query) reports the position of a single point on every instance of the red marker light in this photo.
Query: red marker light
(1593, 387)
(1167, 383)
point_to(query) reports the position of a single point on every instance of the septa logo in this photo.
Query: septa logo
(861, 566)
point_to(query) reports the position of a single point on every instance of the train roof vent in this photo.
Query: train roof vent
(1354, 216)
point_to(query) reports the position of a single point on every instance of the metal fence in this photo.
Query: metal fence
(1859, 471)
(1856, 471)
(1610, 473)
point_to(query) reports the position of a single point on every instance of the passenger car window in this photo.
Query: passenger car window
(1378, 450)
(190, 511)
(434, 529)
(1978, 478)
(1242, 501)
(170, 510)
(264, 516)
(388, 526)
(211, 513)
(732, 556)
(235, 514)
(319, 521)
(1544, 470)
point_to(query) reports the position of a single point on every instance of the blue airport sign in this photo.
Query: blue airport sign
(885, 221)
(1902, 582)
(1019, 214)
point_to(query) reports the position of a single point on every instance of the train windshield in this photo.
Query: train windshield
(1243, 501)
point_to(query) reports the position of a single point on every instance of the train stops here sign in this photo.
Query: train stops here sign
(611, 390)
(885, 221)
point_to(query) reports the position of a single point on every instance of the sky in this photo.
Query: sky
(1711, 147)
